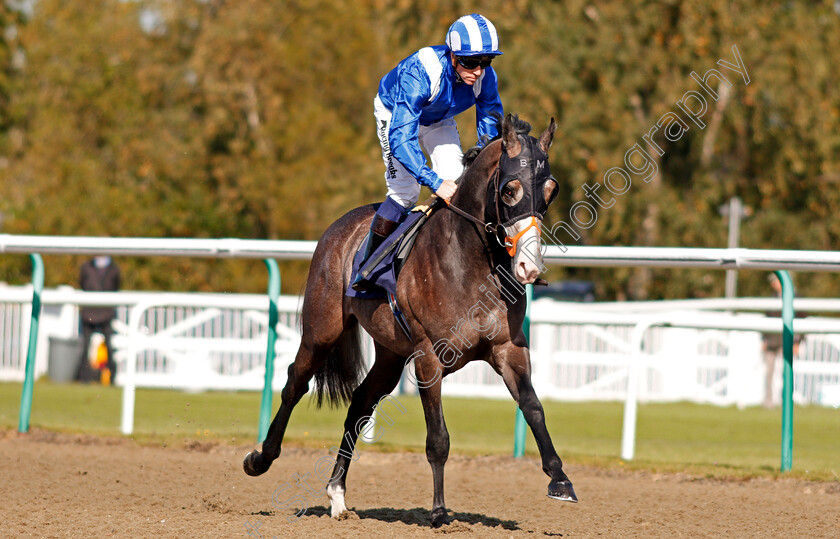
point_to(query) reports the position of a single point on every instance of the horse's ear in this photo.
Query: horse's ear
(548, 136)
(510, 139)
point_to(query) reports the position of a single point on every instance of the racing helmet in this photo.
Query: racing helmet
(473, 35)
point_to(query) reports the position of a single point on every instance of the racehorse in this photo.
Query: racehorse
(461, 293)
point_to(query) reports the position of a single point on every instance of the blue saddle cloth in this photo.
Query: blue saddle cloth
(385, 274)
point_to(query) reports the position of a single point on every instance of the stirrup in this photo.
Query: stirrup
(363, 285)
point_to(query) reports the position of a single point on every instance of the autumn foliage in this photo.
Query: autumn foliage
(254, 119)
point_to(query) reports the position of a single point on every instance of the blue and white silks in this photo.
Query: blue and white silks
(423, 90)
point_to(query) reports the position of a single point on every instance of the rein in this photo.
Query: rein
(490, 227)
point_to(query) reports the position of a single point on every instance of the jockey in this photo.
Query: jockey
(415, 108)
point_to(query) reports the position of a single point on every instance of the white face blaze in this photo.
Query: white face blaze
(527, 262)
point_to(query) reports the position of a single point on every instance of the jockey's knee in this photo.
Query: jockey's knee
(404, 193)
(450, 169)
(392, 209)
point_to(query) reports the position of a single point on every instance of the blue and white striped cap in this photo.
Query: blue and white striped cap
(473, 35)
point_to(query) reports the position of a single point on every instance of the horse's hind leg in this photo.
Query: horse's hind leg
(514, 364)
(324, 334)
(308, 359)
(371, 393)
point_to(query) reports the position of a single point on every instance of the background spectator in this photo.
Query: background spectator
(99, 274)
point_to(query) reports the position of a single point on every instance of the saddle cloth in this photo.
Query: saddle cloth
(385, 274)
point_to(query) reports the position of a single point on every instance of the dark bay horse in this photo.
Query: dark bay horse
(462, 295)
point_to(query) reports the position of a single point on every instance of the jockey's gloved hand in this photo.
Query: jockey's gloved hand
(446, 189)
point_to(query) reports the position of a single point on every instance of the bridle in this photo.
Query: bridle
(495, 229)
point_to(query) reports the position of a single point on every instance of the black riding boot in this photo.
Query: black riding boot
(380, 228)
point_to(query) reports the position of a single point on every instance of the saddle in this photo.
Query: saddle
(393, 254)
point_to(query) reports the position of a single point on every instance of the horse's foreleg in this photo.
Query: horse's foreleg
(297, 384)
(379, 382)
(514, 364)
(429, 377)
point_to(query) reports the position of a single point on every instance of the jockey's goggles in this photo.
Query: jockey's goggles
(472, 62)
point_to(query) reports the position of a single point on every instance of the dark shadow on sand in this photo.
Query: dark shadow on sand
(419, 516)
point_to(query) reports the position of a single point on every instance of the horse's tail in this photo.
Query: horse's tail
(342, 371)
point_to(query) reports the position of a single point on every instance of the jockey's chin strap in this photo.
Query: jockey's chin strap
(490, 227)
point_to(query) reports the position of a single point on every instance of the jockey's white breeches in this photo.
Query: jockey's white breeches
(440, 141)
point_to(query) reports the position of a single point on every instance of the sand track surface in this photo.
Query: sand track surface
(62, 485)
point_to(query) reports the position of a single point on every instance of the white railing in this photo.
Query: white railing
(691, 257)
(186, 247)
(216, 341)
(729, 259)
(227, 331)
(582, 352)
(574, 255)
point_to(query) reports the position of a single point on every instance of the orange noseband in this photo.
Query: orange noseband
(510, 243)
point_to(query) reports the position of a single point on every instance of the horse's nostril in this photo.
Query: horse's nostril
(525, 272)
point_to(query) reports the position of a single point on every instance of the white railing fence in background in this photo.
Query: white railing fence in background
(216, 341)
(580, 352)
(663, 257)
(227, 331)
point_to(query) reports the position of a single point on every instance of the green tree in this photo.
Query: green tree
(253, 119)
(609, 70)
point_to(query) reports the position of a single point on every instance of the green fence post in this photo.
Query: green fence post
(787, 352)
(273, 295)
(29, 377)
(520, 427)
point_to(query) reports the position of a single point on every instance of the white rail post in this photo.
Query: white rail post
(130, 382)
(631, 402)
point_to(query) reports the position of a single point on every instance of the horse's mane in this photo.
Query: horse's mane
(520, 126)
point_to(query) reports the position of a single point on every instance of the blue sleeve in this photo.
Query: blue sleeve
(413, 90)
(487, 103)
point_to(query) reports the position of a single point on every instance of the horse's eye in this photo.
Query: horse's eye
(550, 190)
(512, 192)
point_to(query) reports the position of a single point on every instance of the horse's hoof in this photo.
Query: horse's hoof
(336, 495)
(562, 490)
(439, 517)
(254, 464)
